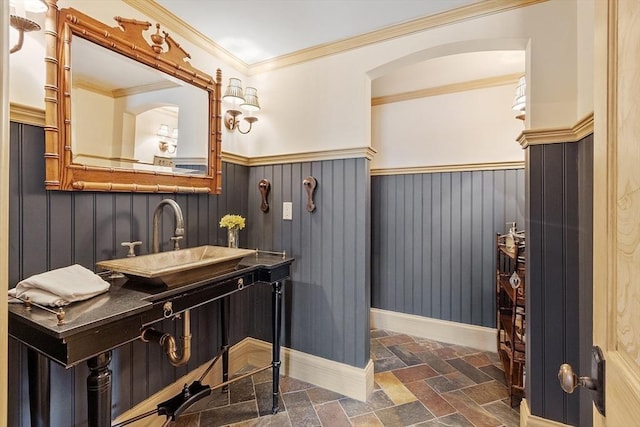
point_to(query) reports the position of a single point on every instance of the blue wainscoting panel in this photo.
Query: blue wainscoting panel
(433, 241)
(559, 287)
(51, 229)
(328, 295)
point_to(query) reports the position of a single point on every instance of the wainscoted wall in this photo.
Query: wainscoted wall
(54, 229)
(559, 291)
(328, 297)
(327, 301)
(433, 241)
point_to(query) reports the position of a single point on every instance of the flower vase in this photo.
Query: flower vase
(232, 237)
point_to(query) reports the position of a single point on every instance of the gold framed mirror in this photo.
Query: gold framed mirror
(114, 100)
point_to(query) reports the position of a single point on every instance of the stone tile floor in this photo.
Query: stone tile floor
(418, 382)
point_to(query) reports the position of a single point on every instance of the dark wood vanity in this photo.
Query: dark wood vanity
(92, 328)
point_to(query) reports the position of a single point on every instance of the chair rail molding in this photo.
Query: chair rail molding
(574, 133)
(463, 167)
(26, 114)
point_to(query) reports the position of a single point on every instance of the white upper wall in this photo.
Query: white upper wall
(324, 104)
(585, 49)
(477, 126)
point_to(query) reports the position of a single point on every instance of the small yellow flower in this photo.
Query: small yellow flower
(232, 221)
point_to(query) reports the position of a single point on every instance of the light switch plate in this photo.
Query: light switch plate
(287, 210)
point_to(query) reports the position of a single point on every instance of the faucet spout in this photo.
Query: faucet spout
(178, 224)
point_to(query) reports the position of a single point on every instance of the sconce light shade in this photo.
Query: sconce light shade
(234, 93)
(520, 100)
(22, 23)
(163, 131)
(35, 6)
(168, 142)
(247, 100)
(251, 100)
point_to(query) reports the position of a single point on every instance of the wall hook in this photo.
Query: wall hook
(310, 185)
(265, 187)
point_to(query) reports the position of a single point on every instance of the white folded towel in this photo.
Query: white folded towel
(61, 286)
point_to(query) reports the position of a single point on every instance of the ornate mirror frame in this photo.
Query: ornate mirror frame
(127, 39)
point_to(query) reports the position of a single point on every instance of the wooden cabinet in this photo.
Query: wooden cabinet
(510, 303)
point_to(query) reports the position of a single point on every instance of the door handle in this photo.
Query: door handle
(569, 381)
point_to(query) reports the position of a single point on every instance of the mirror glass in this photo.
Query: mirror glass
(146, 121)
(125, 110)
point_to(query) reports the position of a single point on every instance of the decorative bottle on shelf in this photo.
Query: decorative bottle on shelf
(510, 245)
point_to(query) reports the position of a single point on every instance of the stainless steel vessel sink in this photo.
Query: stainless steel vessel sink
(175, 268)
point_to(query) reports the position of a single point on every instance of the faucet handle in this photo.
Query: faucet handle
(176, 240)
(131, 246)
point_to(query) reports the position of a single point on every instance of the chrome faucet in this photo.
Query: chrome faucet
(178, 225)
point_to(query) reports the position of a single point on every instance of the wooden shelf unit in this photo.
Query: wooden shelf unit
(510, 305)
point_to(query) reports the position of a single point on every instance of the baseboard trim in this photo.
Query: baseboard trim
(528, 420)
(479, 337)
(347, 380)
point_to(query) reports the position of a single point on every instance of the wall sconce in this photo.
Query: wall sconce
(247, 100)
(520, 100)
(20, 22)
(168, 142)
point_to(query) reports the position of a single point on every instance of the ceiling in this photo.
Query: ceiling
(261, 30)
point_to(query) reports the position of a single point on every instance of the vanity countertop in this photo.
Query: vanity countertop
(117, 316)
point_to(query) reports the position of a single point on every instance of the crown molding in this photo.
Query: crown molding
(557, 135)
(25, 114)
(168, 20)
(463, 167)
(476, 10)
(447, 89)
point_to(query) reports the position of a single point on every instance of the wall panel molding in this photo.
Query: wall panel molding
(517, 164)
(574, 133)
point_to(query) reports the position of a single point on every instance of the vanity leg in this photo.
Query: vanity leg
(39, 389)
(276, 303)
(99, 390)
(224, 324)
